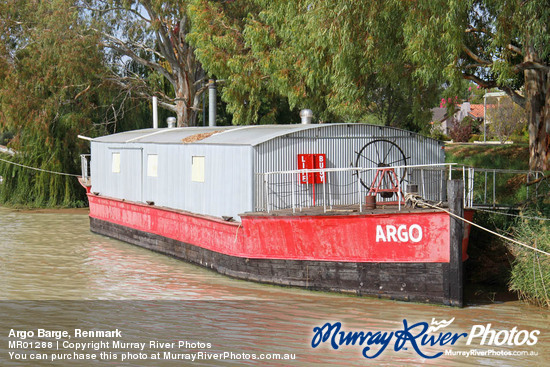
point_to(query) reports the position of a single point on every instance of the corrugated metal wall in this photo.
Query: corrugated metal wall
(231, 182)
(341, 143)
(226, 190)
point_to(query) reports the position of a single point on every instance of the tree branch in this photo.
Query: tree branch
(488, 84)
(478, 30)
(126, 84)
(162, 36)
(196, 100)
(531, 65)
(474, 66)
(121, 47)
(514, 49)
(107, 10)
(475, 57)
(482, 83)
(517, 98)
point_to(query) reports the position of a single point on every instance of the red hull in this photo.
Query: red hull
(399, 237)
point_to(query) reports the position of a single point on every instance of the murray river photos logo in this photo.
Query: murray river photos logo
(417, 337)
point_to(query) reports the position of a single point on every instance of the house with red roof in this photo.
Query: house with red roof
(442, 120)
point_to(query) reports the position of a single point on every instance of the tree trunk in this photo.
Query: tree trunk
(180, 113)
(185, 98)
(537, 96)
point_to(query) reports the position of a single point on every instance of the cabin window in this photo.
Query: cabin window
(197, 169)
(152, 165)
(115, 166)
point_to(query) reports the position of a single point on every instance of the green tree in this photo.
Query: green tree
(342, 59)
(495, 43)
(51, 74)
(506, 119)
(218, 34)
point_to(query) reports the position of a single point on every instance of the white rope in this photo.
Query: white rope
(237, 232)
(39, 169)
(420, 201)
(512, 215)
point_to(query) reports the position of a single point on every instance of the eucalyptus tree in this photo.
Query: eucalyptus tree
(152, 34)
(342, 59)
(495, 43)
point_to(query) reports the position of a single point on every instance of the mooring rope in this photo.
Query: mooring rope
(418, 201)
(40, 169)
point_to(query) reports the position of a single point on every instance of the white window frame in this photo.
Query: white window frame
(197, 168)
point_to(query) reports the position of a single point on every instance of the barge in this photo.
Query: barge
(285, 205)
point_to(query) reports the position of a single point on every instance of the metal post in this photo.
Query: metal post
(307, 188)
(485, 193)
(301, 192)
(473, 186)
(485, 117)
(325, 191)
(442, 170)
(464, 186)
(292, 176)
(359, 193)
(470, 186)
(211, 102)
(422, 181)
(267, 193)
(494, 189)
(399, 191)
(329, 191)
(204, 109)
(155, 114)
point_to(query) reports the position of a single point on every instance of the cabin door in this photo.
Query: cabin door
(134, 177)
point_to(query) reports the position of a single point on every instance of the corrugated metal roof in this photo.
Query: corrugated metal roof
(254, 135)
(226, 135)
(251, 135)
(174, 136)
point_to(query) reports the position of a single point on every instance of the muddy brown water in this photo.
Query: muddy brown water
(55, 275)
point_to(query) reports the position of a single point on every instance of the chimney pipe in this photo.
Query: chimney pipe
(211, 102)
(171, 122)
(155, 114)
(306, 116)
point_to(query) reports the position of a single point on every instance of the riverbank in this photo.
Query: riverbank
(55, 210)
(504, 156)
(22, 209)
(497, 268)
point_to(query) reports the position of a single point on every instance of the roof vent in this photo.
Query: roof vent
(306, 116)
(171, 122)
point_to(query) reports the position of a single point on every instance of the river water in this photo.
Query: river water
(56, 275)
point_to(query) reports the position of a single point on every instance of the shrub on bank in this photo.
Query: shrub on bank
(530, 276)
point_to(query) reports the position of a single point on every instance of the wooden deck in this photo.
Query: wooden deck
(342, 210)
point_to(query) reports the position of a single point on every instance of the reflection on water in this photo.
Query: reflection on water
(50, 263)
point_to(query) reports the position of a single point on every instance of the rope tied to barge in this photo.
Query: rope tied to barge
(40, 169)
(416, 200)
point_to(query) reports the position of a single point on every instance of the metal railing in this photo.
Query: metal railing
(499, 187)
(342, 186)
(85, 166)
(292, 192)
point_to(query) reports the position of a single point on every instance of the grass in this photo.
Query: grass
(512, 156)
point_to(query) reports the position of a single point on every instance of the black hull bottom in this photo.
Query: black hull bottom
(418, 282)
